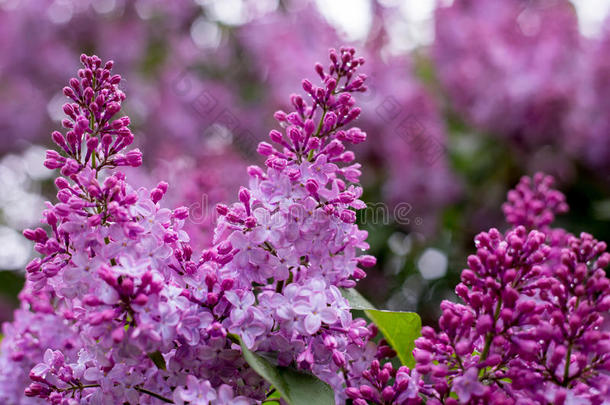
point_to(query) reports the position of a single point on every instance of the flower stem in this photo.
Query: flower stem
(79, 387)
(152, 394)
(489, 336)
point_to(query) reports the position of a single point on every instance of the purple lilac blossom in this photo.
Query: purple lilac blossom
(412, 139)
(532, 327)
(132, 315)
(588, 123)
(510, 67)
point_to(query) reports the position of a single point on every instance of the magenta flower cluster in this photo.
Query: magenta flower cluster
(532, 328)
(525, 50)
(410, 136)
(548, 81)
(119, 309)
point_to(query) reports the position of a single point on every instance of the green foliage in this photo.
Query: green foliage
(158, 359)
(294, 387)
(399, 328)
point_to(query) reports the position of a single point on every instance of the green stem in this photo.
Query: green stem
(489, 337)
(310, 156)
(233, 338)
(566, 370)
(152, 394)
(79, 387)
(317, 134)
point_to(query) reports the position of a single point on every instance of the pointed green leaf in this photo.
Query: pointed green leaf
(295, 387)
(158, 359)
(356, 301)
(399, 328)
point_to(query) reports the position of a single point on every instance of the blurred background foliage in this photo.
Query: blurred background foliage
(465, 98)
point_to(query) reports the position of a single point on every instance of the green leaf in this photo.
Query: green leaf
(295, 387)
(356, 301)
(399, 328)
(158, 359)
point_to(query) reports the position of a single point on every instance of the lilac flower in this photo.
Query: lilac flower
(533, 203)
(168, 319)
(269, 225)
(258, 325)
(467, 386)
(409, 133)
(191, 323)
(241, 304)
(201, 393)
(587, 122)
(320, 169)
(146, 318)
(52, 359)
(250, 253)
(526, 49)
(412, 389)
(316, 311)
(292, 231)
(533, 314)
(377, 386)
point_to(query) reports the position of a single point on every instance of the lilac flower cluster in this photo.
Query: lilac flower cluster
(91, 133)
(532, 328)
(509, 66)
(386, 385)
(533, 203)
(118, 309)
(548, 82)
(295, 226)
(184, 87)
(588, 122)
(412, 138)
